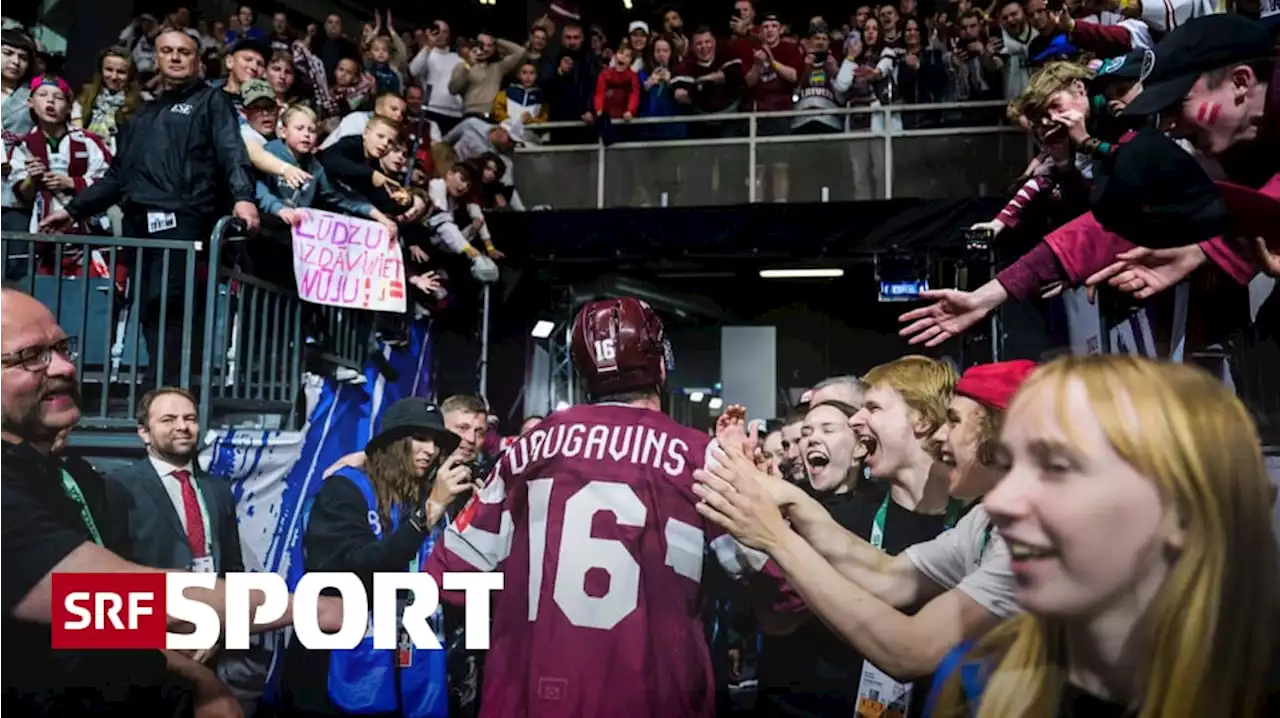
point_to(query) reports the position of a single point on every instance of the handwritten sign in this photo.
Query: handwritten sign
(347, 262)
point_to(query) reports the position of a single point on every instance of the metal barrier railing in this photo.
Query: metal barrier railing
(270, 337)
(944, 150)
(91, 284)
(240, 343)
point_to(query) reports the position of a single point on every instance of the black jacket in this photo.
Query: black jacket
(352, 171)
(179, 153)
(572, 94)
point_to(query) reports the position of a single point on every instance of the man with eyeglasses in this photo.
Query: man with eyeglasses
(59, 515)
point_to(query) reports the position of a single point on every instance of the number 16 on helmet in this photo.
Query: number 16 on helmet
(618, 347)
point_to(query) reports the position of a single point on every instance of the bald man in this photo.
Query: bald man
(59, 516)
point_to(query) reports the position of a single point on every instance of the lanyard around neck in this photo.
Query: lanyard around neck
(877, 525)
(70, 486)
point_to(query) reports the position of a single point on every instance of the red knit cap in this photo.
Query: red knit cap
(993, 385)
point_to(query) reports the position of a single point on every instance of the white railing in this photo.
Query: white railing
(930, 151)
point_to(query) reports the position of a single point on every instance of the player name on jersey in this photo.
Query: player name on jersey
(639, 445)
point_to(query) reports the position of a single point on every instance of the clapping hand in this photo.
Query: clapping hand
(731, 429)
(740, 499)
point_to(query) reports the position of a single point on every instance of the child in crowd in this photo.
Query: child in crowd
(1075, 111)
(352, 89)
(489, 191)
(396, 200)
(353, 163)
(56, 161)
(618, 87)
(522, 99)
(385, 56)
(295, 147)
(281, 77)
(447, 195)
(262, 119)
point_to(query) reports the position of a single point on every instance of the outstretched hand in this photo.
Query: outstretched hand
(1146, 272)
(953, 313)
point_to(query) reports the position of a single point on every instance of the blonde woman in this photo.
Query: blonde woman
(1136, 508)
(111, 97)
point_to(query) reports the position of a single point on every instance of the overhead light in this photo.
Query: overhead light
(542, 329)
(696, 397)
(715, 403)
(815, 273)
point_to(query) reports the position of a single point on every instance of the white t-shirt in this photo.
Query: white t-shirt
(433, 68)
(252, 136)
(1017, 63)
(354, 124)
(962, 558)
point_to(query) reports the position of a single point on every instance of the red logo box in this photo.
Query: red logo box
(96, 611)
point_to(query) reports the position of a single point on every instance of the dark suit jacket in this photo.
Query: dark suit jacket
(158, 538)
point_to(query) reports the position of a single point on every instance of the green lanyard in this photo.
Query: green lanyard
(73, 492)
(986, 538)
(877, 525)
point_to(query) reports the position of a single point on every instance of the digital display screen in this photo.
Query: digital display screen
(904, 291)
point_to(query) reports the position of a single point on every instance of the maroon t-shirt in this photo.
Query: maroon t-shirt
(711, 97)
(590, 517)
(773, 93)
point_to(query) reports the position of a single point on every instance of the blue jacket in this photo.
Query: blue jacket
(365, 680)
(273, 194)
(660, 101)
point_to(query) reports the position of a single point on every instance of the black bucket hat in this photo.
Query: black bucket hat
(413, 417)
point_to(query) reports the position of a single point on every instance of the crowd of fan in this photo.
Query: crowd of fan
(454, 108)
(1121, 191)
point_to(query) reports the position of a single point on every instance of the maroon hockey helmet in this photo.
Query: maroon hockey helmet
(619, 346)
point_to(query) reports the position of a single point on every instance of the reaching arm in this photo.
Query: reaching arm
(37, 605)
(905, 647)
(512, 54)
(892, 579)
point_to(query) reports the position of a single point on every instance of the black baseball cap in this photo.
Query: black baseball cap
(251, 44)
(1131, 66)
(1157, 195)
(1198, 46)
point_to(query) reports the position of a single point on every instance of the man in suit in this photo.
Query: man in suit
(179, 517)
(182, 518)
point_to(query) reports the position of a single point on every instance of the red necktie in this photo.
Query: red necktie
(191, 508)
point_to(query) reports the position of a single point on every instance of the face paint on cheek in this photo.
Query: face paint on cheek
(1207, 113)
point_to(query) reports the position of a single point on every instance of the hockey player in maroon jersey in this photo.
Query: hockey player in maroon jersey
(590, 517)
